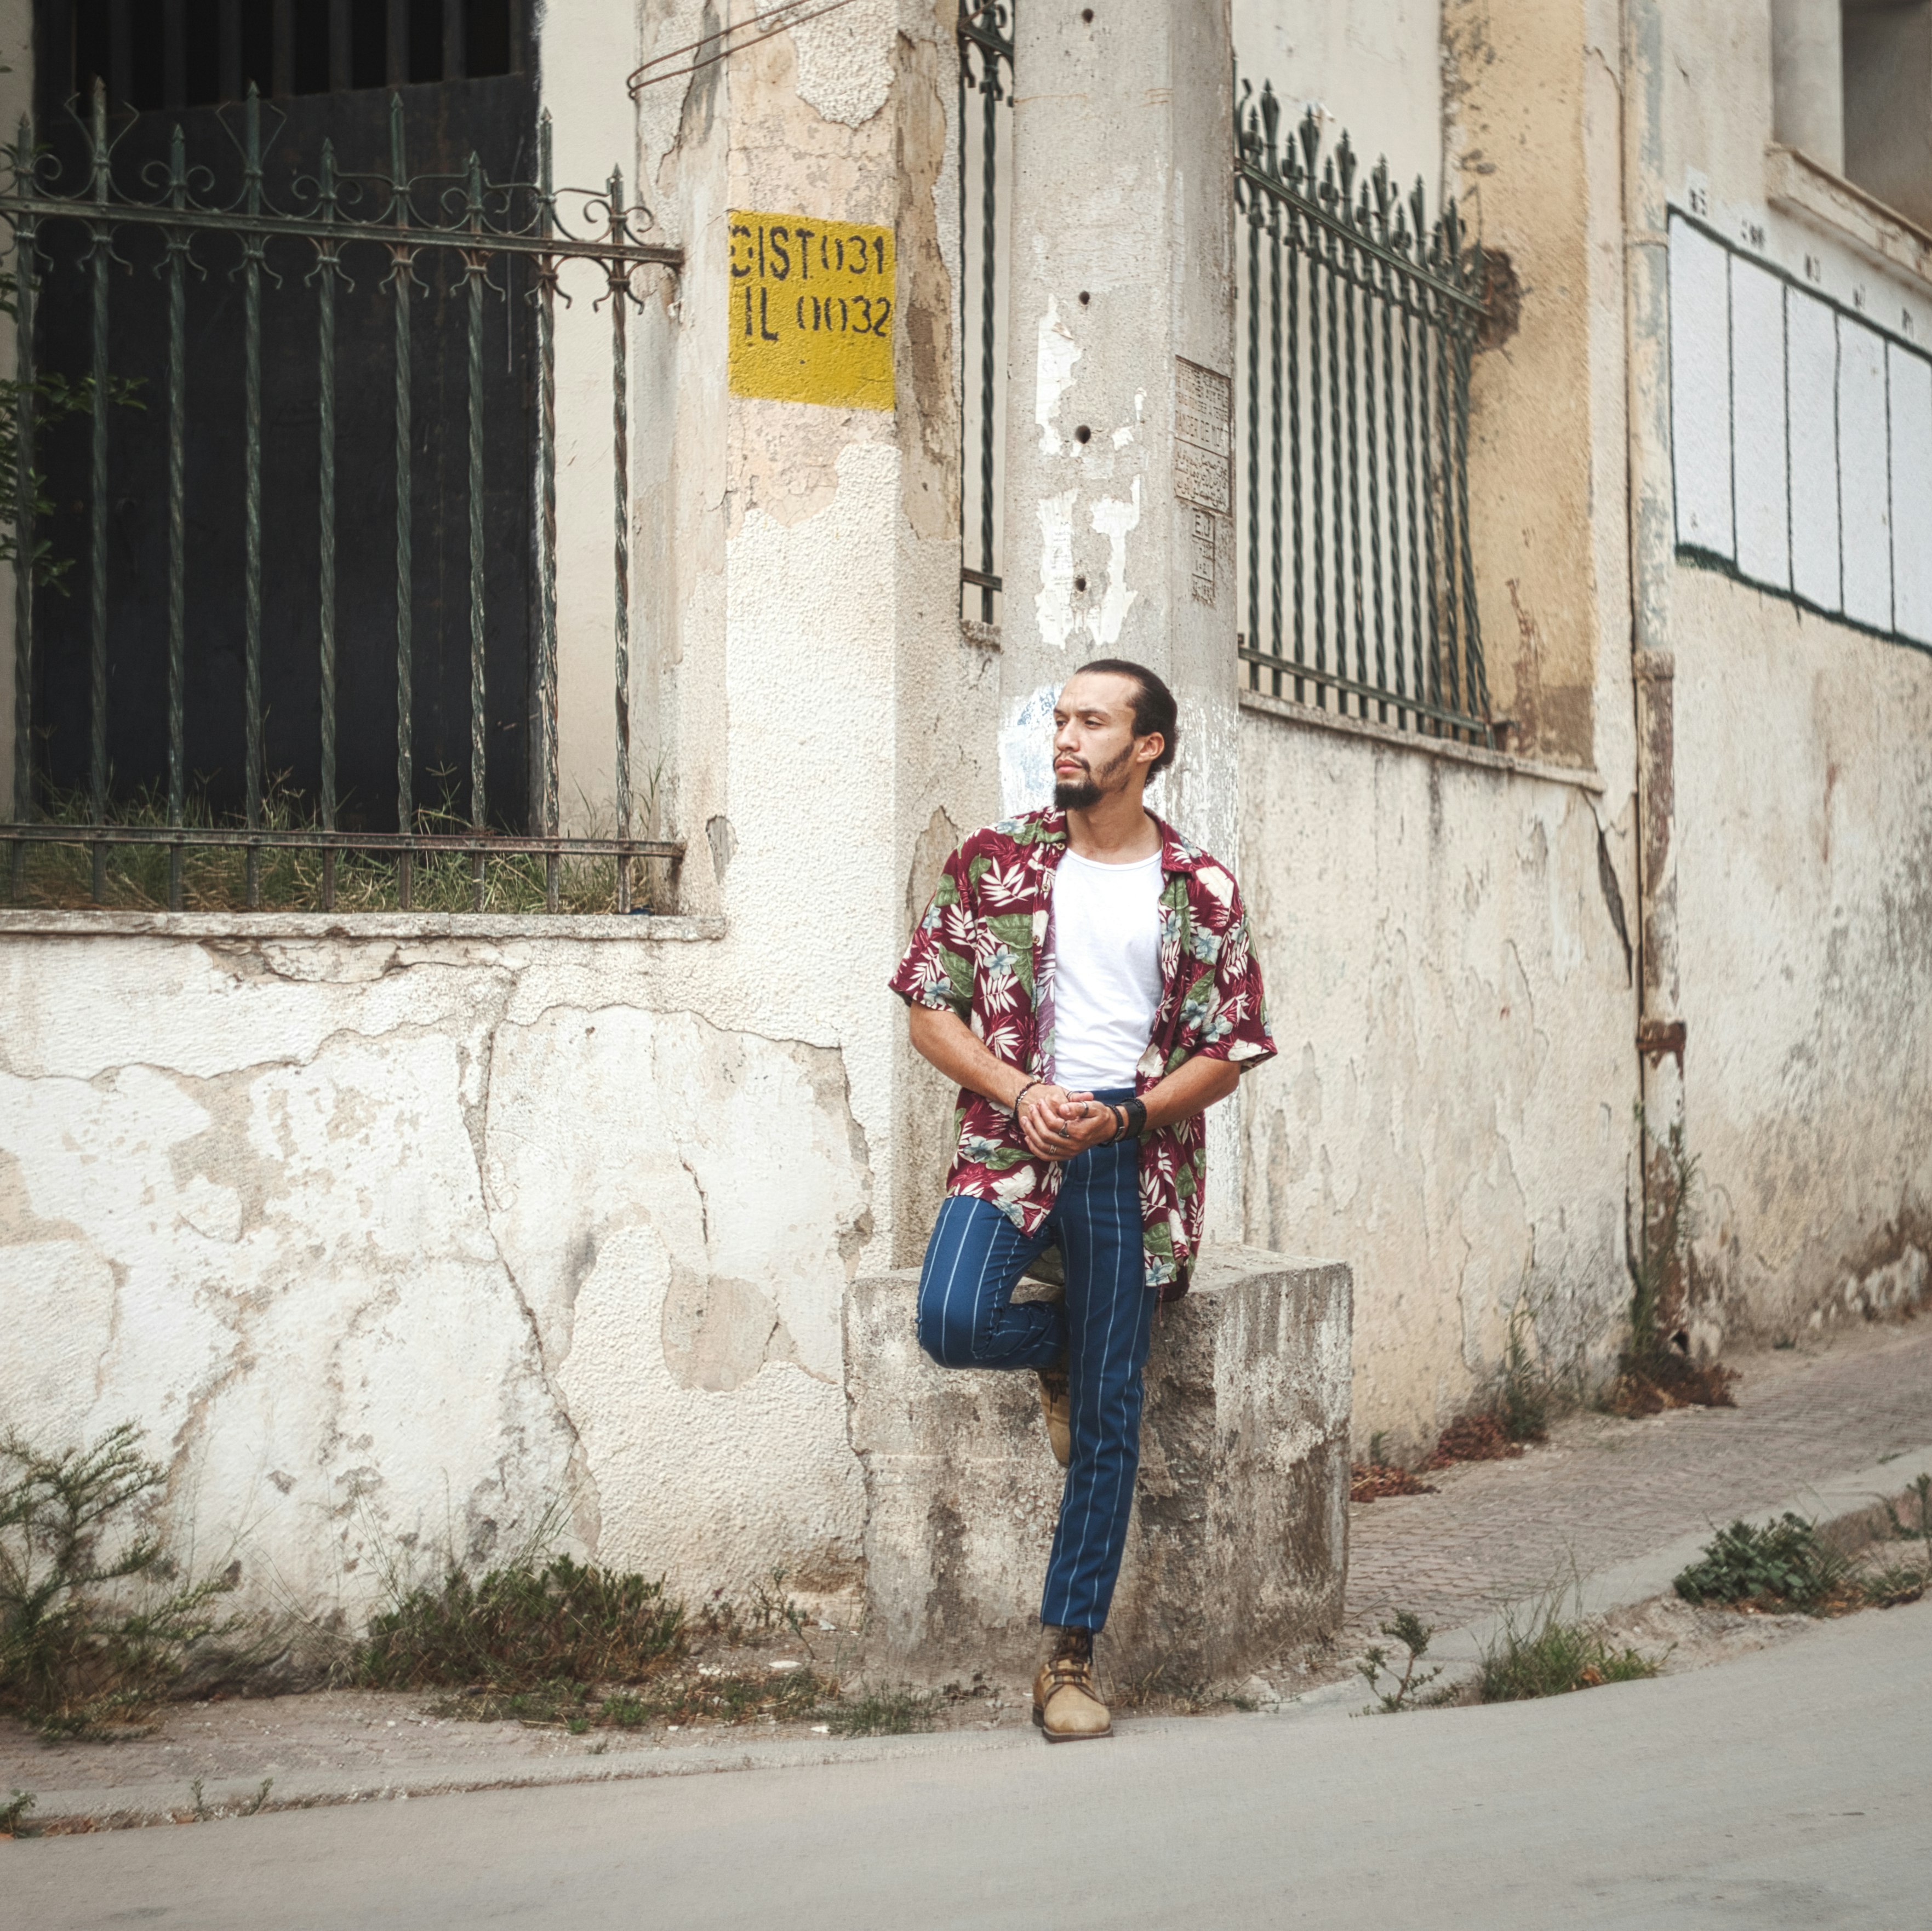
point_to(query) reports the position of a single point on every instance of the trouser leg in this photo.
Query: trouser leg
(1110, 1322)
(967, 1317)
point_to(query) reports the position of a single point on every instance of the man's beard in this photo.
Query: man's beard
(1085, 792)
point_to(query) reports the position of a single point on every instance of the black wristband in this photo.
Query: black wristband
(1133, 1113)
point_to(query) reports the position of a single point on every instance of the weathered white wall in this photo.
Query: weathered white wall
(1452, 1107)
(391, 1242)
(408, 1239)
(1374, 66)
(1803, 790)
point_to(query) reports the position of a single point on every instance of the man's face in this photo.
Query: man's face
(1095, 752)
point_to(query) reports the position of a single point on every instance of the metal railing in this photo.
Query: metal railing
(985, 42)
(1357, 321)
(326, 233)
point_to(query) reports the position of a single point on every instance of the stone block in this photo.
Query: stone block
(1238, 1546)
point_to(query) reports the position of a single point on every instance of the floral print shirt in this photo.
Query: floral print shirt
(985, 950)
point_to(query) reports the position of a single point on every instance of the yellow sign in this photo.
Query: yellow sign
(811, 311)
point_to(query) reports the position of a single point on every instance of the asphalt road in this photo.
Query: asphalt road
(1788, 1788)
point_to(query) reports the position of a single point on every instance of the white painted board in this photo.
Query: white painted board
(1700, 389)
(1761, 479)
(1864, 482)
(1911, 385)
(1811, 384)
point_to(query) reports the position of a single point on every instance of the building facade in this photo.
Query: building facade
(1551, 627)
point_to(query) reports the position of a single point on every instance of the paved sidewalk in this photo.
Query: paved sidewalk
(1603, 1491)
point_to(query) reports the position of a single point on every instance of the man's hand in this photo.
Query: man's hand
(1057, 1124)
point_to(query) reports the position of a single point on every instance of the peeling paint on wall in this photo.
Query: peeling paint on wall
(1026, 754)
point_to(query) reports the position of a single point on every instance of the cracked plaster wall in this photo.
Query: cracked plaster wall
(1804, 799)
(1451, 1107)
(401, 1247)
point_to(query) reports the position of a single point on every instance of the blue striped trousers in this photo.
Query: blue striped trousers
(967, 1319)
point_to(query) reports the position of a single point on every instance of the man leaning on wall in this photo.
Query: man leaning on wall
(1084, 974)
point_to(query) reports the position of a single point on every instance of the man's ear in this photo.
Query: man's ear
(1147, 749)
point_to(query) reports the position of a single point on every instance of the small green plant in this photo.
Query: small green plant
(882, 1713)
(253, 1807)
(1523, 1390)
(524, 1629)
(682, 1696)
(1896, 1583)
(1408, 1629)
(95, 1617)
(1785, 1564)
(1922, 1488)
(1654, 1372)
(1548, 1653)
(202, 1811)
(13, 1812)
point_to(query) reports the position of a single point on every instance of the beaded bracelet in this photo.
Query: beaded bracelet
(1022, 1093)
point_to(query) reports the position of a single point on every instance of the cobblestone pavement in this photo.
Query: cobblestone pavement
(1603, 1491)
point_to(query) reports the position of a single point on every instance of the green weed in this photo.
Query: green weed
(524, 1628)
(1550, 1655)
(1785, 1565)
(1409, 1629)
(681, 1696)
(883, 1713)
(13, 1812)
(95, 1618)
(1523, 1389)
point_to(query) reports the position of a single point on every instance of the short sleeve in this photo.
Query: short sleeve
(937, 970)
(1236, 1024)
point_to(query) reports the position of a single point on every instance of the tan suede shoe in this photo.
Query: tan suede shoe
(1065, 1706)
(1056, 1407)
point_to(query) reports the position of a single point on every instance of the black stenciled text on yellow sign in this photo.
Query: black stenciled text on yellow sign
(812, 310)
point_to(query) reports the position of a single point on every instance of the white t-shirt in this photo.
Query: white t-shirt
(1106, 986)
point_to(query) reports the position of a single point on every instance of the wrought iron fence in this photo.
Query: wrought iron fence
(1356, 322)
(188, 454)
(985, 42)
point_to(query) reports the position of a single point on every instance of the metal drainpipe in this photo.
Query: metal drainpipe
(1652, 514)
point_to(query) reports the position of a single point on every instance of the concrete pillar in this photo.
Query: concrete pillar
(1808, 79)
(1118, 483)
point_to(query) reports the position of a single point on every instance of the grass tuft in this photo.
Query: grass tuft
(61, 878)
(1552, 1655)
(883, 1713)
(524, 1630)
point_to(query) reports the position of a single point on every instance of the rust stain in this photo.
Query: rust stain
(1657, 1040)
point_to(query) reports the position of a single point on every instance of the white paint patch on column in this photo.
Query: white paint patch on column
(1757, 425)
(1911, 377)
(1053, 605)
(1053, 375)
(844, 61)
(1026, 754)
(1700, 390)
(1811, 374)
(1115, 519)
(1864, 488)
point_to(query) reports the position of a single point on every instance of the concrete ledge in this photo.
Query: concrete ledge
(1238, 1546)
